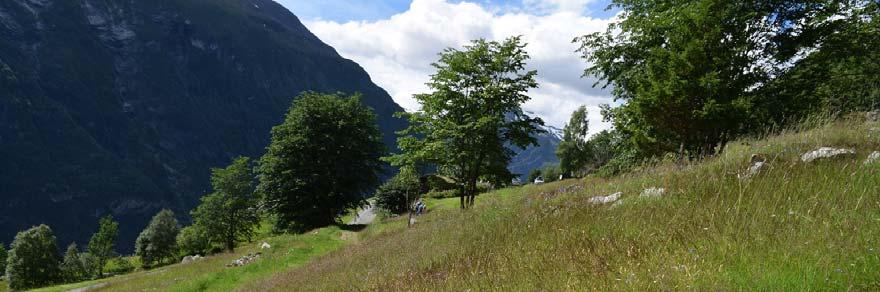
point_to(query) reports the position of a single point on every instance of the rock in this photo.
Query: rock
(265, 245)
(874, 157)
(873, 116)
(606, 199)
(825, 152)
(653, 193)
(758, 162)
(187, 259)
(244, 260)
(197, 258)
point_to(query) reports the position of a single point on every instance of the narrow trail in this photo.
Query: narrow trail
(365, 216)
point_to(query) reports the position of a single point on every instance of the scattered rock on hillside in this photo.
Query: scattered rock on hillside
(244, 260)
(190, 259)
(606, 199)
(874, 157)
(265, 245)
(653, 193)
(758, 162)
(825, 152)
(873, 116)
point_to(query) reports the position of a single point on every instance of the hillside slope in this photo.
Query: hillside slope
(121, 107)
(794, 226)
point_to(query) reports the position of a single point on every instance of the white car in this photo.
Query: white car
(539, 180)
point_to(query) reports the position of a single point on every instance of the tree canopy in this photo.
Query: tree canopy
(157, 242)
(33, 259)
(323, 161)
(229, 214)
(102, 244)
(473, 115)
(572, 151)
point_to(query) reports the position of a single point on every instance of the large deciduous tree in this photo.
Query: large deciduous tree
(158, 242)
(473, 114)
(322, 161)
(33, 259)
(229, 214)
(102, 244)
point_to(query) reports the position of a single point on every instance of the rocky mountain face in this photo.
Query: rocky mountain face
(121, 107)
(538, 156)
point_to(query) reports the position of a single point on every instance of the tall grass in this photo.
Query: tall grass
(795, 226)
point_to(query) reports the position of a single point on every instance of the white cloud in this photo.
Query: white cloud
(398, 51)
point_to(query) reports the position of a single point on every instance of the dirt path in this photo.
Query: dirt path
(365, 216)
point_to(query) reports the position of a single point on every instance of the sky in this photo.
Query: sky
(397, 40)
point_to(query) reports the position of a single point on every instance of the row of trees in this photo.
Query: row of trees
(33, 259)
(693, 75)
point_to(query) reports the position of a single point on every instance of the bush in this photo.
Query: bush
(398, 193)
(193, 240)
(158, 242)
(119, 265)
(33, 259)
(443, 194)
(2, 260)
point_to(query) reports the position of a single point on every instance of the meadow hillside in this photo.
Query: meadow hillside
(793, 226)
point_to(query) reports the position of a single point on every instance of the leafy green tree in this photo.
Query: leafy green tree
(573, 151)
(158, 242)
(33, 259)
(193, 240)
(400, 192)
(322, 161)
(102, 244)
(684, 70)
(230, 213)
(74, 268)
(473, 114)
(2, 259)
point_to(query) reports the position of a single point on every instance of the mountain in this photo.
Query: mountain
(121, 107)
(537, 156)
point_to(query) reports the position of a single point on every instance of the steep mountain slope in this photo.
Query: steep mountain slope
(121, 107)
(537, 156)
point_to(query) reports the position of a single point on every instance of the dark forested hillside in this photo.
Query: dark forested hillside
(110, 106)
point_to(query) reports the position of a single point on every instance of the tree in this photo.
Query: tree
(322, 161)
(230, 213)
(102, 244)
(684, 70)
(193, 240)
(573, 151)
(33, 259)
(400, 192)
(2, 259)
(157, 242)
(74, 268)
(473, 115)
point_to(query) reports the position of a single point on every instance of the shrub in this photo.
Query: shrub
(33, 259)
(396, 194)
(119, 265)
(158, 241)
(2, 260)
(193, 240)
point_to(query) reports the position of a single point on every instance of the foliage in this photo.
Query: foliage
(572, 150)
(78, 266)
(548, 172)
(33, 259)
(119, 265)
(2, 260)
(322, 161)
(473, 114)
(230, 213)
(102, 244)
(398, 193)
(193, 240)
(157, 242)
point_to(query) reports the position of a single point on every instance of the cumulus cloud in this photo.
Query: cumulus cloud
(398, 51)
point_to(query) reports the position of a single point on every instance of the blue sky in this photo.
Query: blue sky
(397, 40)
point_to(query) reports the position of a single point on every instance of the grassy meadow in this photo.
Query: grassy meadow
(795, 226)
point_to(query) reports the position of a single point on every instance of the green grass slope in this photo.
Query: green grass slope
(795, 226)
